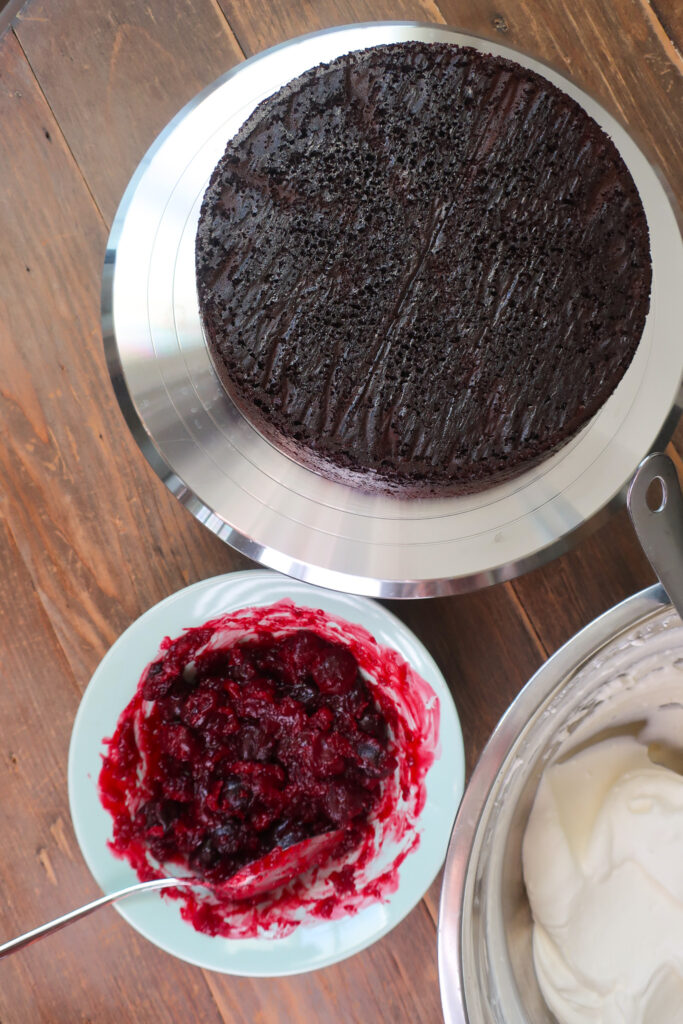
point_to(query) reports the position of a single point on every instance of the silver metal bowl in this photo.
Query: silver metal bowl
(485, 958)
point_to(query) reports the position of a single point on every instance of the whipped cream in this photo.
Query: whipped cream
(603, 862)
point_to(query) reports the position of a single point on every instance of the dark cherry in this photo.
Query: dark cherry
(234, 795)
(335, 670)
(160, 679)
(299, 651)
(373, 724)
(197, 707)
(179, 741)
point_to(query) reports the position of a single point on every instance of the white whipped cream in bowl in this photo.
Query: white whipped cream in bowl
(563, 889)
(603, 857)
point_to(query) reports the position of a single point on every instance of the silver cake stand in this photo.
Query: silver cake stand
(276, 511)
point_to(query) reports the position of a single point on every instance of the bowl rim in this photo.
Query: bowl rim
(583, 646)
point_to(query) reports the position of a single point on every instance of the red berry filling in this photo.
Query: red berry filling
(259, 728)
(227, 753)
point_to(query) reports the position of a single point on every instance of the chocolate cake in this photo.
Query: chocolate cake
(421, 268)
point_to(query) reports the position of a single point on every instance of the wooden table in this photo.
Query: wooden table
(90, 538)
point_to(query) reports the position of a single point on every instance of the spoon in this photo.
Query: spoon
(655, 505)
(269, 872)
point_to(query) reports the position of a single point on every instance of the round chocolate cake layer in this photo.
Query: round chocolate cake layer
(421, 268)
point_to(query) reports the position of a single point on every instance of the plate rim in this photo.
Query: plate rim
(103, 865)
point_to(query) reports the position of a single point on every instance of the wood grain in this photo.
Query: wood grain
(394, 980)
(471, 638)
(41, 869)
(261, 24)
(562, 597)
(129, 68)
(666, 17)
(89, 537)
(98, 532)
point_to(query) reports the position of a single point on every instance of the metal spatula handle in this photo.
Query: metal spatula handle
(660, 530)
(269, 872)
(61, 922)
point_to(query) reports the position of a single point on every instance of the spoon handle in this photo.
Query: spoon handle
(88, 908)
(660, 530)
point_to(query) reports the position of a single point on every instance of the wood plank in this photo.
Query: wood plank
(471, 638)
(667, 18)
(262, 23)
(393, 981)
(432, 897)
(117, 80)
(604, 569)
(99, 963)
(564, 596)
(8, 12)
(101, 535)
(487, 649)
(677, 440)
(76, 569)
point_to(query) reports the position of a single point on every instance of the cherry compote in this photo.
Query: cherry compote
(225, 754)
(258, 729)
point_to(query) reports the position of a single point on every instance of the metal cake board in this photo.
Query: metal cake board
(276, 511)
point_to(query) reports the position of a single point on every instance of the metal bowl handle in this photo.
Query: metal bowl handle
(657, 516)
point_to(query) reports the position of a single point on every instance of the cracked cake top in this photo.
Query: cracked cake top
(421, 269)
